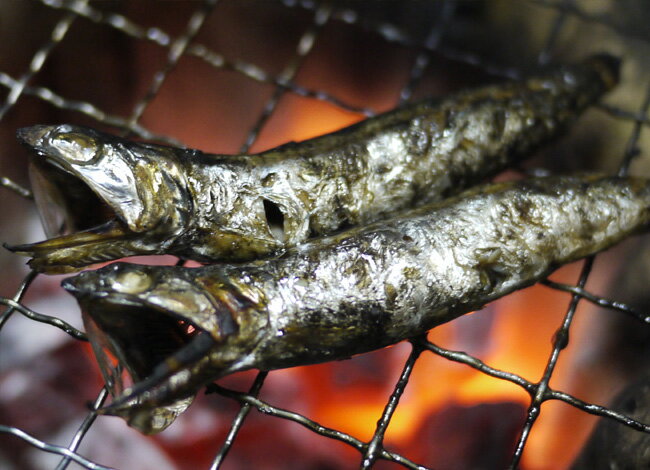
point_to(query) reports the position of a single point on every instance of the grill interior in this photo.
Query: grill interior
(234, 76)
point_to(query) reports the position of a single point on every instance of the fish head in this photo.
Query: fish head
(101, 197)
(158, 337)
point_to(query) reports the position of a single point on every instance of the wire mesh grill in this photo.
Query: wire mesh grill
(31, 86)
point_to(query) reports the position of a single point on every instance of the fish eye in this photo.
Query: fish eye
(131, 282)
(75, 147)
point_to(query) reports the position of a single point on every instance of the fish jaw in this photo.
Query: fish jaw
(155, 335)
(101, 197)
(71, 253)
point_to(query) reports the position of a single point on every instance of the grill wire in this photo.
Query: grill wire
(69, 12)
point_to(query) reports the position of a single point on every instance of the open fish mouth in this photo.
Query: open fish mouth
(83, 221)
(138, 350)
(82, 228)
(143, 350)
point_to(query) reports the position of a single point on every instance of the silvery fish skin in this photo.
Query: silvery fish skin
(103, 197)
(175, 329)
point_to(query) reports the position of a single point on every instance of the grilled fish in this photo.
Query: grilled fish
(102, 197)
(162, 332)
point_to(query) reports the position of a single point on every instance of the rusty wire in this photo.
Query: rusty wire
(284, 83)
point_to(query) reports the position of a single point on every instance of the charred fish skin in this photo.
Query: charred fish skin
(365, 288)
(241, 207)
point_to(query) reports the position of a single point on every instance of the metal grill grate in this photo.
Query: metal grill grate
(29, 86)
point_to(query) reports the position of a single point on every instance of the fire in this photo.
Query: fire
(298, 119)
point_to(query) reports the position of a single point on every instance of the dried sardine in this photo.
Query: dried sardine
(103, 197)
(160, 333)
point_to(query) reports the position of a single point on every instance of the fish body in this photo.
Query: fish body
(118, 198)
(347, 294)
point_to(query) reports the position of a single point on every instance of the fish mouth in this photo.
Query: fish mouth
(83, 225)
(143, 352)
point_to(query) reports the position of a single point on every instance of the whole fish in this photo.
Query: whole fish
(103, 197)
(160, 333)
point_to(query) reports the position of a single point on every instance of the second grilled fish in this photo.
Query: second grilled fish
(103, 197)
(160, 333)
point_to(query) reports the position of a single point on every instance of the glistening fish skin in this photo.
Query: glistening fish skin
(347, 294)
(224, 207)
